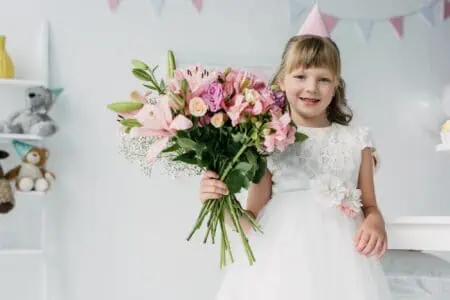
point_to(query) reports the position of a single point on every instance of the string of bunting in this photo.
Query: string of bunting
(365, 26)
(156, 4)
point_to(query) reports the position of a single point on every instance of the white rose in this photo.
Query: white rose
(197, 107)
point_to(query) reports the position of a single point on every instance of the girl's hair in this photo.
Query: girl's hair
(314, 51)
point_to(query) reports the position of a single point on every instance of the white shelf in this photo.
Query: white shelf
(20, 83)
(7, 137)
(32, 193)
(20, 252)
(442, 147)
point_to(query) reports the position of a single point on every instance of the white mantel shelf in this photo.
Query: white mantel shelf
(426, 233)
(20, 83)
(8, 137)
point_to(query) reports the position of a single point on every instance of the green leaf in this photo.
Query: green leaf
(187, 143)
(300, 137)
(251, 157)
(262, 165)
(142, 75)
(171, 66)
(187, 157)
(130, 123)
(138, 64)
(244, 167)
(150, 87)
(184, 87)
(172, 148)
(239, 137)
(125, 107)
(236, 181)
(206, 160)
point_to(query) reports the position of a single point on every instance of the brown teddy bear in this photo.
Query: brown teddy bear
(31, 174)
(7, 201)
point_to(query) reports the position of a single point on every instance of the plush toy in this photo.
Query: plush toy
(7, 201)
(31, 174)
(34, 119)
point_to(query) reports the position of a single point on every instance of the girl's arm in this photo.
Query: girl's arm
(366, 183)
(258, 195)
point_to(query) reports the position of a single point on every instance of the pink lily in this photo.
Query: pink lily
(284, 134)
(197, 77)
(157, 120)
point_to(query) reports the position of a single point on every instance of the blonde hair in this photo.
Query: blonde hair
(314, 51)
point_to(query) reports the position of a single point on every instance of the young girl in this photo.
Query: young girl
(323, 233)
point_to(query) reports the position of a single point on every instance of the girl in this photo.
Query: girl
(323, 233)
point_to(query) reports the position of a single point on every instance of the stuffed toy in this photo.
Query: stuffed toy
(34, 118)
(31, 174)
(7, 201)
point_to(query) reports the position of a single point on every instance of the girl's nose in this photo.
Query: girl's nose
(311, 85)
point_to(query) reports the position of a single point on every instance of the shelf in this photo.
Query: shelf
(20, 252)
(20, 83)
(32, 193)
(442, 147)
(7, 137)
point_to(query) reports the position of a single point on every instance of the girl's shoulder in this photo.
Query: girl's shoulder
(361, 135)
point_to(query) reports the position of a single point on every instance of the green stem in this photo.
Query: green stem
(233, 161)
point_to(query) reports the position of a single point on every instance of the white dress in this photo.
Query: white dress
(306, 250)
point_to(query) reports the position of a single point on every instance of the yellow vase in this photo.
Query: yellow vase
(6, 64)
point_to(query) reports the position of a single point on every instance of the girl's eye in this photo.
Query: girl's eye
(300, 77)
(325, 80)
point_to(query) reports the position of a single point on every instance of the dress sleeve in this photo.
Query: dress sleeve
(365, 140)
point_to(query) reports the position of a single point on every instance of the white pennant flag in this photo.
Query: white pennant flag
(365, 27)
(296, 9)
(157, 5)
(427, 13)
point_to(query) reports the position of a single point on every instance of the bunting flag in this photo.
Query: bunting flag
(157, 6)
(330, 22)
(446, 9)
(365, 27)
(397, 23)
(427, 13)
(296, 9)
(113, 4)
(198, 5)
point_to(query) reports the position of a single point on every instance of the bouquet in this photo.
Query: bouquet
(227, 121)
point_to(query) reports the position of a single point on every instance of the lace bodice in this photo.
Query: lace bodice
(332, 152)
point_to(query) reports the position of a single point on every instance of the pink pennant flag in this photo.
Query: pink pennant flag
(330, 22)
(113, 4)
(397, 22)
(198, 5)
(446, 9)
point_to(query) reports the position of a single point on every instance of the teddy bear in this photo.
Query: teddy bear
(34, 118)
(7, 201)
(31, 174)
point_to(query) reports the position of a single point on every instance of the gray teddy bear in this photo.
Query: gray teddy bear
(34, 119)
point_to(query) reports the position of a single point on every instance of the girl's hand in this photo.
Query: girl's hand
(211, 187)
(371, 238)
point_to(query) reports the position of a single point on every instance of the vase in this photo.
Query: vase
(6, 64)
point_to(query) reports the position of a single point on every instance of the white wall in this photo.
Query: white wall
(114, 233)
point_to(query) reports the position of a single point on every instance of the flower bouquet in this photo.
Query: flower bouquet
(227, 121)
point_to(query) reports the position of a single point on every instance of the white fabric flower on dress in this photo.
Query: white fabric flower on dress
(335, 192)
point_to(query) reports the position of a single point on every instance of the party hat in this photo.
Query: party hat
(314, 24)
(22, 148)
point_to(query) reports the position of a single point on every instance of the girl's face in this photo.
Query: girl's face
(309, 92)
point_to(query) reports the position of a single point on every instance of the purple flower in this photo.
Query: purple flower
(279, 98)
(213, 96)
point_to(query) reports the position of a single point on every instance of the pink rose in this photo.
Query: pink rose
(213, 96)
